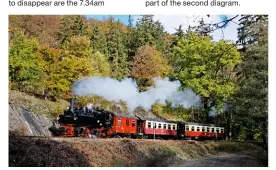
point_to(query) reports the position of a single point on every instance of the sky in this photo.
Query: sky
(170, 22)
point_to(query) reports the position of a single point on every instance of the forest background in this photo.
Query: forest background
(48, 53)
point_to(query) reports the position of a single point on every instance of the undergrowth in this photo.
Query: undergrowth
(115, 152)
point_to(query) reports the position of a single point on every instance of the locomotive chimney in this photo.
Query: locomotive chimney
(72, 104)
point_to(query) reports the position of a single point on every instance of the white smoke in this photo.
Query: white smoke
(127, 91)
(215, 112)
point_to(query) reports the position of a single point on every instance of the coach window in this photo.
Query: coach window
(198, 129)
(217, 130)
(221, 130)
(133, 123)
(159, 126)
(164, 126)
(169, 126)
(187, 128)
(149, 124)
(203, 129)
(154, 125)
(119, 121)
(173, 127)
(208, 129)
(127, 122)
(193, 128)
(213, 129)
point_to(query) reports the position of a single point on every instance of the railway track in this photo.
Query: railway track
(58, 138)
(80, 139)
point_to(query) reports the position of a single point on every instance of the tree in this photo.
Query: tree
(206, 67)
(62, 67)
(130, 22)
(76, 61)
(42, 27)
(246, 33)
(148, 63)
(100, 64)
(117, 52)
(23, 70)
(250, 104)
(178, 35)
(205, 29)
(54, 80)
(71, 26)
(98, 40)
(130, 39)
(150, 32)
(78, 46)
(202, 29)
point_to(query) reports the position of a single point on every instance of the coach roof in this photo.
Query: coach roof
(156, 119)
(124, 115)
(198, 124)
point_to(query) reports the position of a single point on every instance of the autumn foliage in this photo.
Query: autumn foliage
(148, 63)
(48, 53)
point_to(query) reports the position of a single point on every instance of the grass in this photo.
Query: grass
(115, 152)
(38, 106)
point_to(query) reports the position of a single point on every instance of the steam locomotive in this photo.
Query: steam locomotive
(99, 123)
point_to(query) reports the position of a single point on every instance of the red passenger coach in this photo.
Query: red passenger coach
(124, 124)
(203, 131)
(158, 127)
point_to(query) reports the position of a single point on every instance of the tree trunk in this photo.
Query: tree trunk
(206, 109)
(264, 136)
(45, 94)
(230, 126)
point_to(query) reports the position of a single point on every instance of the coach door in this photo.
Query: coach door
(180, 130)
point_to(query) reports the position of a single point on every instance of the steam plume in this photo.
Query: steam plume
(127, 91)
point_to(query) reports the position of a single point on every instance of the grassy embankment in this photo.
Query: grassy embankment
(115, 152)
(37, 106)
